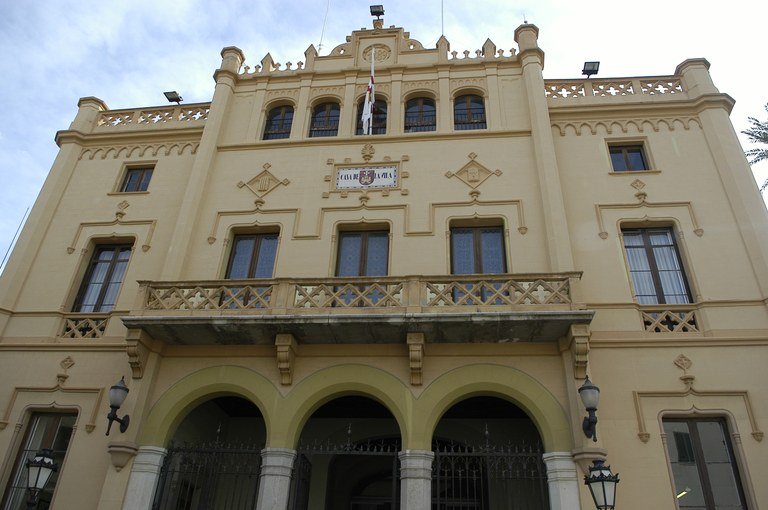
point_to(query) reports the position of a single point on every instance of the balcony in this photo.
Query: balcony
(447, 309)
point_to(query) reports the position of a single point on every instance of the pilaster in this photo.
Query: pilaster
(563, 481)
(145, 473)
(275, 481)
(416, 479)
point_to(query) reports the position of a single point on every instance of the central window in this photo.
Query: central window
(279, 121)
(477, 250)
(378, 120)
(325, 120)
(469, 113)
(420, 115)
(253, 256)
(363, 253)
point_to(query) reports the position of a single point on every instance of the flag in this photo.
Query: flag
(370, 98)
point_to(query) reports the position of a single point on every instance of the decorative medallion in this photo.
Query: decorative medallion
(473, 174)
(382, 52)
(363, 177)
(263, 183)
(683, 363)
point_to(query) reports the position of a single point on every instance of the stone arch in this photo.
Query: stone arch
(498, 381)
(327, 384)
(190, 391)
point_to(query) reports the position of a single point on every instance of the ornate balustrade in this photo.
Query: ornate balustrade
(84, 325)
(613, 87)
(452, 308)
(166, 116)
(669, 318)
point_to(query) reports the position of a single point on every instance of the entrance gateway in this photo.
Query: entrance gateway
(487, 456)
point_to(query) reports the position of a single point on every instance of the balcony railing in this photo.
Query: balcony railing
(164, 116)
(647, 86)
(503, 307)
(669, 318)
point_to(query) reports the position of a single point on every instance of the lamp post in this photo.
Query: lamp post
(117, 394)
(602, 485)
(39, 471)
(590, 396)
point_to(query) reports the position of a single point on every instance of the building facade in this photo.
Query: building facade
(311, 317)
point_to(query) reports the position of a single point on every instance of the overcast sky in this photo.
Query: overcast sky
(127, 52)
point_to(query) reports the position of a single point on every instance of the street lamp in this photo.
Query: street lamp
(602, 485)
(117, 394)
(590, 396)
(590, 68)
(39, 471)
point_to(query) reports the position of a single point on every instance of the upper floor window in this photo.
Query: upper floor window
(103, 278)
(325, 120)
(655, 266)
(136, 179)
(703, 465)
(420, 115)
(363, 253)
(51, 431)
(379, 118)
(477, 250)
(279, 121)
(469, 112)
(628, 158)
(253, 256)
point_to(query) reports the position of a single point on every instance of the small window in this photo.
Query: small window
(103, 278)
(703, 466)
(628, 158)
(279, 121)
(253, 256)
(136, 179)
(325, 120)
(363, 253)
(468, 113)
(379, 118)
(477, 250)
(420, 115)
(655, 267)
(46, 430)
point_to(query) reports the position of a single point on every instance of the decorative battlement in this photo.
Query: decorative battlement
(170, 116)
(613, 87)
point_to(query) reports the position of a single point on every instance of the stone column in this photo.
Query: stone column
(275, 483)
(563, 481)
(144, 475)
(416, 479)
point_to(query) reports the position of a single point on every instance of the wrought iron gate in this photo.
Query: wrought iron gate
(212, 476)
(488, 477)
(385, 451)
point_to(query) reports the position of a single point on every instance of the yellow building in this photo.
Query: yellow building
(309, 317)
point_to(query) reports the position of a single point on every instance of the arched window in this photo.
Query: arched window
(379, 118)
(325, 120)
(420, 115)
(469, 112)
(279, 122)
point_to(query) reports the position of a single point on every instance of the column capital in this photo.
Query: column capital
(416, 464)
(277, 461)
(149, 459)
(560, 466)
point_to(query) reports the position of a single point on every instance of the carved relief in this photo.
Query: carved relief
(614, 126)
(263, 183)
(286, 347)
(140, 150)
(459, 83)
(282, 93)
(383, 52)
(416, 356)
(430, 85)
(578, 341)
(327, 91)
(473, 174)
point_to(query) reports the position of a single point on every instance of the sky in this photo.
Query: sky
(127, 52)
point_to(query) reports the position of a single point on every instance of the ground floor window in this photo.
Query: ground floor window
(703, 466)
(46, 430)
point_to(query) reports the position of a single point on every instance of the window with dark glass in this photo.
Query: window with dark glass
(325, 120)
(362, 254)
(628, 158)
(655, 267)
(469, 112)
(703, 465)
(136, 179)
(103, 278)
(252, 256)
(379, 118)
(279, 121)
(476, 250)
(46, 430)
(420, 115)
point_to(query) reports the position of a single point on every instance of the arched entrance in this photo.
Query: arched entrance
(347, 458)
(488, 456)
(214, 457)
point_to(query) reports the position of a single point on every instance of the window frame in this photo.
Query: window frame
(18, 469)
(420, 126)
(697, 451)
(379, 126)
(624, 146)
(477, 247)
(254, 256)
(146, 172)
(653, 267)
(364, 246)
(268, 133)
(88, 274)
(470, 123)
(328, 128)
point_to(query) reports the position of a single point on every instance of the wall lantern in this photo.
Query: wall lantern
(590, 396)
(39, 471)
(590, 68)
(602, 485)
(117, 394)
(173, 97)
